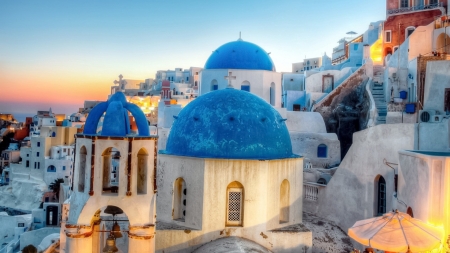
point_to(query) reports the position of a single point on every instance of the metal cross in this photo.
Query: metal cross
(229, 78)
(121, 82)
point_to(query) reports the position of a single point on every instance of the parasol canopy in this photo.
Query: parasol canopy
(396, 232)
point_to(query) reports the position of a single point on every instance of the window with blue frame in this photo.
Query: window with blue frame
(322, 151)
(215, 87)
(51, 168)
(53, 134)
(245, 85)
(64, 167)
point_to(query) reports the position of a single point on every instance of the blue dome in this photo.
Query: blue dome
(116, 121)
(229, 124)
(240, 55)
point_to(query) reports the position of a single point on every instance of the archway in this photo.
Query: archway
(112, 223)
(110, 171)
(443, 43)
(387, 51)
(142, 171)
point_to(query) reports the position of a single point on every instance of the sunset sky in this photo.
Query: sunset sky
(57, 53)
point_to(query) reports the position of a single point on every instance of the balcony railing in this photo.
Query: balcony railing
(414, 8)
(311, 190)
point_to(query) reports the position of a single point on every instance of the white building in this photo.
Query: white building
(49, 156)
(228, 170)
(245, 66)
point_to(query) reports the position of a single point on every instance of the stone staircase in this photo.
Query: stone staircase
(377, 89)
(380, 102)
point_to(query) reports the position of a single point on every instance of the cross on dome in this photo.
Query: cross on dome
(229, 78)
(121, 82)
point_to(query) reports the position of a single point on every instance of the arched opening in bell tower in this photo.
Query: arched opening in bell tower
(111, 230)
(110, 171)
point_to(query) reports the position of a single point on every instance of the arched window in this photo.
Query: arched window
(322, 151)
(82, 169)
(284, 201)
(272, 93)
(51, 168)
(235, 204)
(245, 86)
(381, 195)
(214, 85)
(388, 51)
(443, 43)
(142, 171)
(179, 200)
(110, 175)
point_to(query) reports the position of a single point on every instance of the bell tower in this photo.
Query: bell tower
(114, 175)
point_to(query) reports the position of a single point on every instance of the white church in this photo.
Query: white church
(248, 66)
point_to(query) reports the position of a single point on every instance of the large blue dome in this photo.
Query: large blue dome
(240, 55)
(229, 124)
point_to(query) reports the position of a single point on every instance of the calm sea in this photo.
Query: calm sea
(21, 116)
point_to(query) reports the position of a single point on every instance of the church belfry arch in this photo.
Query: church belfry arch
(110, 171)
(235, 204)
(142, 171)
(82, 170)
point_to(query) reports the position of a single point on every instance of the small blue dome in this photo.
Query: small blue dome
(229, 124)
(240, 55)
(116, 121)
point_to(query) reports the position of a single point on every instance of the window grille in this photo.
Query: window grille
(234, 214)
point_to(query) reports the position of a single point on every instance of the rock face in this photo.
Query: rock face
(327, 236)
(23, 194)
(344, 110)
